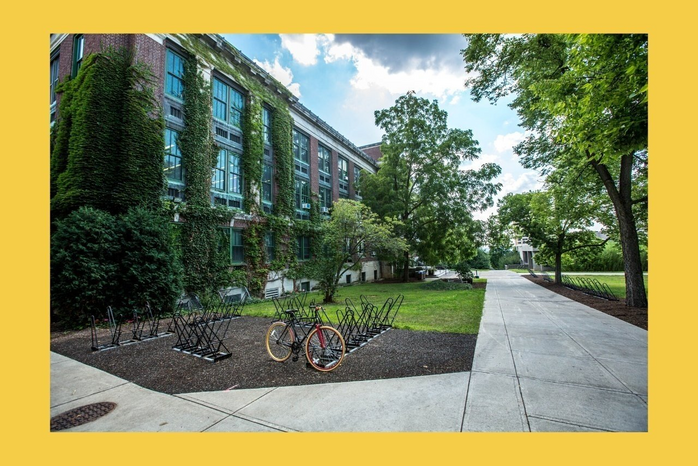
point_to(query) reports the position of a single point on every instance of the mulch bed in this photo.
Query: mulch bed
(155, 365)
(632, 315)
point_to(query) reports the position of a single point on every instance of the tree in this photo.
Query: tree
(583, 100)
(421, 182)
(352, 234)
(557, 220)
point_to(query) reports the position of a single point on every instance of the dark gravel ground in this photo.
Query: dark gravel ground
(155, 365)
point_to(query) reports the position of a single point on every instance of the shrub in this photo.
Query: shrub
(99, 260)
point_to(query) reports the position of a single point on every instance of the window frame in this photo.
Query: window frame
(303, 248)
(175, 156)
(233, 105)
(174, 75)
(78, 53)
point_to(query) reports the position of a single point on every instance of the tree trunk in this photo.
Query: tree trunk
(558, 267)
(406, 268)
(635, 295)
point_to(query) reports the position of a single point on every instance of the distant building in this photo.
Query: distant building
(526, 252)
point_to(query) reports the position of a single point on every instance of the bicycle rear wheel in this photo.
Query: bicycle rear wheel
(325, 348)
(279, 340)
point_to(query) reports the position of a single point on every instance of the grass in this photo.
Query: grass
(422, 309)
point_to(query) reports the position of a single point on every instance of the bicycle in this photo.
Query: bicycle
(324, 345)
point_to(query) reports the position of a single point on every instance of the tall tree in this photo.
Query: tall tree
(583, 100)
(557, 220)
(421, 182)
(351, 235)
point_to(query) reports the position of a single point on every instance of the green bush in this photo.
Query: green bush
(440, 285)
(100, 260)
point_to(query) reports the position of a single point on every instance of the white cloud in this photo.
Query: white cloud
(439, 82)
(281, 74)
(505, 142)
(303, 47)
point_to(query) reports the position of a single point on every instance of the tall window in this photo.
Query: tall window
(266, 121)
(343, 174)
(357, 178)
(301, 146)
(174, 77)
(267, 183)
(227, 174)
(173, 156)
(54, 83)
(324, 158)
(237, 251)
(303, 250)
(325, 199)
(269, 244)
(228, 103)
(302, 194)
(78, 52)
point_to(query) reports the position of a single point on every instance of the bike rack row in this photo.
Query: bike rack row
(589, 286)
(305, 315)
(200, 331)
(145, 326)
(360, 325)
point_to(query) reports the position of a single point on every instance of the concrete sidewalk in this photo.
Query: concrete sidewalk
(542, 363)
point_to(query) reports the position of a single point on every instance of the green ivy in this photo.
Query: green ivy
(253, 153)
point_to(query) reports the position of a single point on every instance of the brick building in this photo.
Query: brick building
(325, 162)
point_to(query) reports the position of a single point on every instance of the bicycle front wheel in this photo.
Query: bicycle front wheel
(279, 340)
(325, 348)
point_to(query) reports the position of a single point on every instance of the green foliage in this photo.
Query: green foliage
(421, 184)
(109, 144)
(480, 261)
(253, 152)
(100, 260)
(342, 242)
(441, 285)
(583, 100)
(282, 143)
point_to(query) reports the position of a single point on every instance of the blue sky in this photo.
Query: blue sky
(345, 78)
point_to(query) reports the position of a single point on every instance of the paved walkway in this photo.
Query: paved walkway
(542, 363)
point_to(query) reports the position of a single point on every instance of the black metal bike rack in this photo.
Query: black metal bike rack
(360, 325)
(114, 331)
(144, 326)
(200, 331)
(590, 286)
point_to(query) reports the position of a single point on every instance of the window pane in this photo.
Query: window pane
(234, 174)
(174, 83)
(301, 145)
(220, 100)
(218, 181)
(173, 156)
(237, 105)
(266, 120)
(324, 156)
(267, 183)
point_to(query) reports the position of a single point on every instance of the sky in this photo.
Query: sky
(345, 78)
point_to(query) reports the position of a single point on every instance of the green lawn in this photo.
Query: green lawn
(436, 311)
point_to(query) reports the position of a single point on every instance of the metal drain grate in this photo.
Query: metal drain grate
(82, 415)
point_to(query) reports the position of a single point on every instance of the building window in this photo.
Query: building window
(234, 173)
(325, 200)
(324, 159)
(303, 248)
(78, 52)
(173, 156)
(228, 103)
(174, 77)
(237, 252)
(227, 174)
(302, 195)
(269, 244)
(301, 152)
(343, 174)
(267, 183)
(357, 177)
(54, 82)
(266, 121)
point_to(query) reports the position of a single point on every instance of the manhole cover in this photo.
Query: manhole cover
(82, 415)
